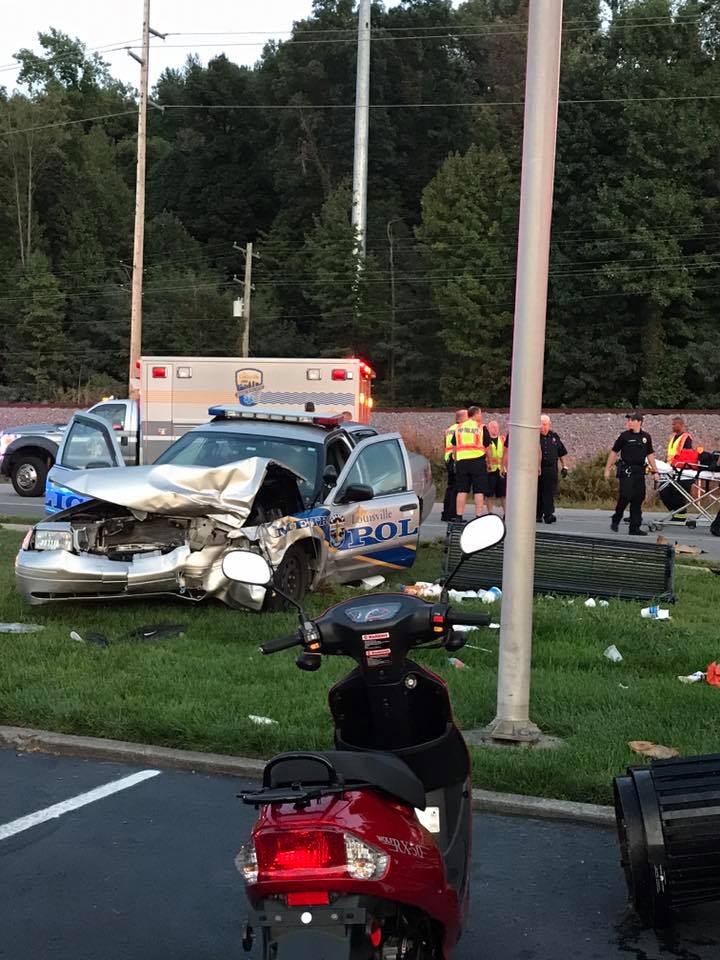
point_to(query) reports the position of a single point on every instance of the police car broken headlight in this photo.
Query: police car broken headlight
(53, 540)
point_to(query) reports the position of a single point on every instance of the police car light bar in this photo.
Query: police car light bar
(233, 412)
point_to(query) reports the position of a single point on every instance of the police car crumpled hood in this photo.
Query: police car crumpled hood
(189, 490)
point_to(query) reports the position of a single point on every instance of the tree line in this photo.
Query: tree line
(264, 153)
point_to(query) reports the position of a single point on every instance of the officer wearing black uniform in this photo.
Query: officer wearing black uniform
(630, 451)
(552, 451)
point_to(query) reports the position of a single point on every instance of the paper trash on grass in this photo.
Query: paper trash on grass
(693, 677)
(472, 646)
(457, 663)
(590, 602)
(458, 595)
(604, 603)
(428, 591)
(655, 750)
(20, 628)
(371, 582)
(261, 721)
(464, 627)
(612, 653)
(494, 626)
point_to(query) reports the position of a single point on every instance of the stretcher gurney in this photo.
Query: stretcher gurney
(701, 495)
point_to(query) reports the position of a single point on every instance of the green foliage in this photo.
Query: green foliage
(632, 301)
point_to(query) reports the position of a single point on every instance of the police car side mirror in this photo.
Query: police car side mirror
(357, 492)
(330, 475)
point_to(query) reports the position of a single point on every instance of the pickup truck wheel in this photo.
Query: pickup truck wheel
(28, 477)
(292, 577)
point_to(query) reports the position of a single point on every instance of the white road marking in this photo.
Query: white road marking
(65, 806)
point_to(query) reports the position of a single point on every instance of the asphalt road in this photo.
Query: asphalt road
(15, 506)
(148, 873)
(596, 523)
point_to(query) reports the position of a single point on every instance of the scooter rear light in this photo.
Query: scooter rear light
(313, 898)
(312, 854)
(363, 861)
(246, 862)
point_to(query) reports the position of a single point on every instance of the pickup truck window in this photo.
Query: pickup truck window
(382, 467)
(212, 449)
(111, 413)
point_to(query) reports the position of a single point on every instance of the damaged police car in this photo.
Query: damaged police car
(325, 500)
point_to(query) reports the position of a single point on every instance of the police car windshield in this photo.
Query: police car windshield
(213, 449)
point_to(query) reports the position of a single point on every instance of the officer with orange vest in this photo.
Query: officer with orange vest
(471, 439)
(495, 452)
(448, 511)
(679, 440)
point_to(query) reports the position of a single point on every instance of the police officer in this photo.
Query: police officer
(471, 438)
(495, 452)
(550, 452)
(630, 451)
(448, 511)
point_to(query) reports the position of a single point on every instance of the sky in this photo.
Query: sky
(240, 28)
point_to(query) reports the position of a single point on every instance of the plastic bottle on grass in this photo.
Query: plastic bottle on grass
(655, 613)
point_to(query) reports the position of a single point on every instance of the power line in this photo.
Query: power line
(71, 55)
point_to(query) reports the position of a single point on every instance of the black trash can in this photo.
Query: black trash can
(668, 820)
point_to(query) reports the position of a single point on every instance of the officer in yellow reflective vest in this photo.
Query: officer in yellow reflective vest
(495, 453)
(448, 511)
(471, 438)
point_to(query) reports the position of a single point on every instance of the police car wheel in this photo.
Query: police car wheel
(28, 477)
(292, 577)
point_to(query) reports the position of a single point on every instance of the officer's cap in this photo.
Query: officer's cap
(634, 415)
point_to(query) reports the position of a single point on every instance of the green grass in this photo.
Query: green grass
(26, 521)
(197, 691)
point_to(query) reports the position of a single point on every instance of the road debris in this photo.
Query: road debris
(655, 750)
(157, 631)
(655, 613)
(96, 638)
(261, 721)
(369, 583)
(713, 674)
(693, 677)
(612, 653)
(20, 628)
(457, 663)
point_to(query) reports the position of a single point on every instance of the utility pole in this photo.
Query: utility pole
(391, 243)
(362, 116)
(512, 721)
(247, 291)
(139, 240)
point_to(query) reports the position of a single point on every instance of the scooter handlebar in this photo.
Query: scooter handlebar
(281, 643)
(456, 618)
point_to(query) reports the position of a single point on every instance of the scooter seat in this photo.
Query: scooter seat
(382, 770)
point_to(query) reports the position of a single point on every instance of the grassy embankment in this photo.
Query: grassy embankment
(198, 690)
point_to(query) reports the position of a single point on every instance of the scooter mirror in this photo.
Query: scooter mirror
(243, 566)
(481, 533)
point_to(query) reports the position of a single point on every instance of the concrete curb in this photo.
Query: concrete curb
(26, 740)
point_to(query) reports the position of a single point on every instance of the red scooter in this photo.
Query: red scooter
(362, 852)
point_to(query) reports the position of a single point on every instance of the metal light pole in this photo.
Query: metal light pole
(362, 116)
(391, 365)
(512, 721)
(139, 241)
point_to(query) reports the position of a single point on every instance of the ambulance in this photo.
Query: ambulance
(175, 395)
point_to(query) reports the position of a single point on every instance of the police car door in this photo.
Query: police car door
(89, 442)
(374, 514)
